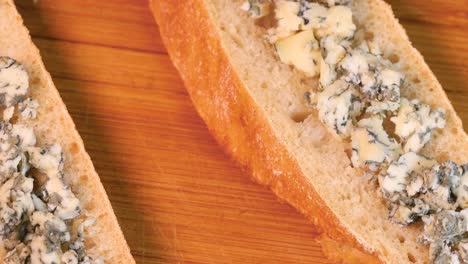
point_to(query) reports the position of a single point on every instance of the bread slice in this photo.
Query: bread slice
(254, 106)
(54, 124)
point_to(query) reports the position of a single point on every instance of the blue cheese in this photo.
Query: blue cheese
(443, 182)
(61, 199)
(328, 74)
(333, 49)
(371, 145)
(385, 93)
(51, 232)
(14, 81)
(301, 51)
(462, 192)
(339, 22)
(15, 202)
(338, 105)
(288, 20)
(28, 108)
(415, 122)
(379, 84)
(396, 178)
(257, 8)
(313, 15)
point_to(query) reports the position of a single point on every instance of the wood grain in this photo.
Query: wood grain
(178, 198)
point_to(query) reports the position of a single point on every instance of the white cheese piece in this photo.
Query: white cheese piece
(51, 162)
(354, 65)
(333, 49)
(327, 74)
(8, 113)
(314, 15)
(70, 257)
(414, 123)
(25, 135)
(462, 193)
(288, 21)
(256, 8)
(40, 254)
(397, 173)
(301, 51)
(28, 108)
(338, 105)
(14, 80)
(339, 22)
(386, 96)
(371, 145)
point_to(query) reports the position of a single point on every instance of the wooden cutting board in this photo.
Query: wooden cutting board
(178, 198)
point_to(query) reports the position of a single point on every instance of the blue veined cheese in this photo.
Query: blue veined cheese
(313, 15)
(335, 2)
(292, 16)
(257, 8)
(24, 134)
(51, 233)
(14, 81)
(396, 178)
(415, 122)
(371, 145)
(328, 74)
(379, 83)
(60, 199)
(300, 50)
(333, 49)
(339, 22)
(28, 108)
(385, 96)
(338, 104)
(443, 231)
(288, 20)
(462, 192)
(15, 202)
(443, 183)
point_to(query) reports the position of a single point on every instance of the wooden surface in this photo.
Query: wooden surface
(178, 198)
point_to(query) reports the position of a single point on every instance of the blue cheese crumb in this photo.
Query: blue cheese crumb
(338, 105)
(415, 122)
(371, 145)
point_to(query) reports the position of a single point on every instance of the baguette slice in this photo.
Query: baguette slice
(254, 106)
(53, 124)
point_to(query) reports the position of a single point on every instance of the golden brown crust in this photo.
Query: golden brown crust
(231, 114)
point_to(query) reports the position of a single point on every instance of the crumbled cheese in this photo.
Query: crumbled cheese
(398, 172)
(462, 192)
(380, 84)
(301, 51)
(60, 198)
(333, 49)
(32, 219)
(25, 135)
(371, 145)
(415, 122)
(338, 105)
(327, 74)
(257, 8)
(313, 15)
(385, 94)
(286, 14)
(339, 22)
(28, 108)
(8, 113)
(14, 81)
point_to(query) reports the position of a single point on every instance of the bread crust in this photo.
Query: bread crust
(235, 120)
(54, 124)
